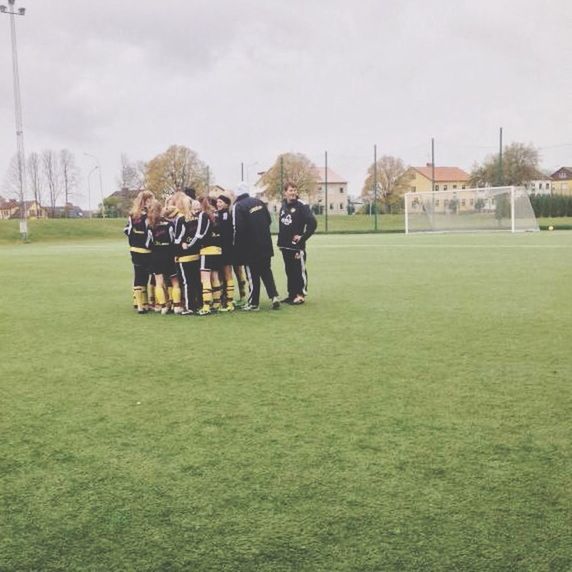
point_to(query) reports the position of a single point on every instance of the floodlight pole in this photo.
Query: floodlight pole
(501, 175)
(89, 189)
(326, 187)
(10, 10)
(100, 182)
(375, 207)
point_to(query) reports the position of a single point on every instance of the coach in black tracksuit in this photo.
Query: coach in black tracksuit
(297, 225)
(253, 246)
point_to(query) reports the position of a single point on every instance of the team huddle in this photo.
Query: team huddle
(187, 254)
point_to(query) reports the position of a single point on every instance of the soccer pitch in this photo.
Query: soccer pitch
(414, 414)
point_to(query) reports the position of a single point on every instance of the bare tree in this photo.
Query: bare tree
(51, 177)
(11, 182)
(69, 175)
(132, 175)
(35, 176)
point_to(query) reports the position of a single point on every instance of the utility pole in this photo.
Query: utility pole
(501, 175)
(432, 164)
(100, 182)
(11, 11)
(375, 188)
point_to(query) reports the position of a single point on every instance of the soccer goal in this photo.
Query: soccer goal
(470, 210)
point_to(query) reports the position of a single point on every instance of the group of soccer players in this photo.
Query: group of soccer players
(185, 251)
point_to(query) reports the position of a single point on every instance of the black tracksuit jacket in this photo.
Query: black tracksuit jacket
(296, 218)
(252, 240)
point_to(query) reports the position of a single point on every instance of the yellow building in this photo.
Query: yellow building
(446, 179)
(562, 181)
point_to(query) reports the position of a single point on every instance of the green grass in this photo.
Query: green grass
(413, 415)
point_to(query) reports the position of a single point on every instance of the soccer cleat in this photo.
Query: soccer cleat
(250, 308)
(157, 309)
(187, 313)
(228, 308)
(287, 300)
(142, 311)
(164, 311)
(204, 311)
(298, 301)
(275, 303)
(178, 310)
(240, 303)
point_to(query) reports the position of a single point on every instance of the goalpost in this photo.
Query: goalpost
(470, 210)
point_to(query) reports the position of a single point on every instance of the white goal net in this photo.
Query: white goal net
(470, 210)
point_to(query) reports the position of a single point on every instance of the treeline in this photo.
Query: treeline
(551, 205)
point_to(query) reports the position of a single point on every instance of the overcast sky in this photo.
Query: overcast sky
(242, 81)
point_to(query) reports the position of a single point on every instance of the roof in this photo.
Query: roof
(443, 174)
(333, 177)
(566, 170)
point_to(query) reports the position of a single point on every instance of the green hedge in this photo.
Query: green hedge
(551, 205)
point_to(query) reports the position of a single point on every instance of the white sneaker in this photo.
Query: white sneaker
(164, 311)
(178, 310)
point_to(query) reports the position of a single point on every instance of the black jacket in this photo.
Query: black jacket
(251, 239)
(296, 218)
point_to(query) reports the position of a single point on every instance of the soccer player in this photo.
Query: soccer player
(208, 237)
(297, 225)
(224, 221)
(187, 255)
(140, 248)
(162, 238)
(253, 246)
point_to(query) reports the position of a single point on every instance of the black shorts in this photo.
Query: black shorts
(212, 262)
(163, 262)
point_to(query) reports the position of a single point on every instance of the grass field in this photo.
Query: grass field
(413, 415)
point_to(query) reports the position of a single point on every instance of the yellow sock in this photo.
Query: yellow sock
(207, 296)
(229, 291)
(138, 292)
(176, 295)
(160, 295)
(151, 294)
(170, 293)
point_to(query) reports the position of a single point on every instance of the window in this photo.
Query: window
(539, 186)
(463, 202)
(436, 187)
(342, 190)
(341, 206)
(319, 188)
(454, 186)
(444, 187)
(275, 209)
(331, 206)
(463, 187)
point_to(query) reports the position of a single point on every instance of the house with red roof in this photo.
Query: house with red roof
(446, 179)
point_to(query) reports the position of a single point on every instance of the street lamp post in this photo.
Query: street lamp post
(98, 167)
(11, 11)
(89, 189)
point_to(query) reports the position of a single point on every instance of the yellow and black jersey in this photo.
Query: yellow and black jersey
(187, 244)
(137, 232)
(162, 236)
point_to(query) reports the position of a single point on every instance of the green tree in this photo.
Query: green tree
(176, 168)
(393, 180)
(295, 167)
(520, 164)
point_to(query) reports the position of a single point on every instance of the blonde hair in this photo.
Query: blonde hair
(183, 204)
(140, 202)
(154, 213)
